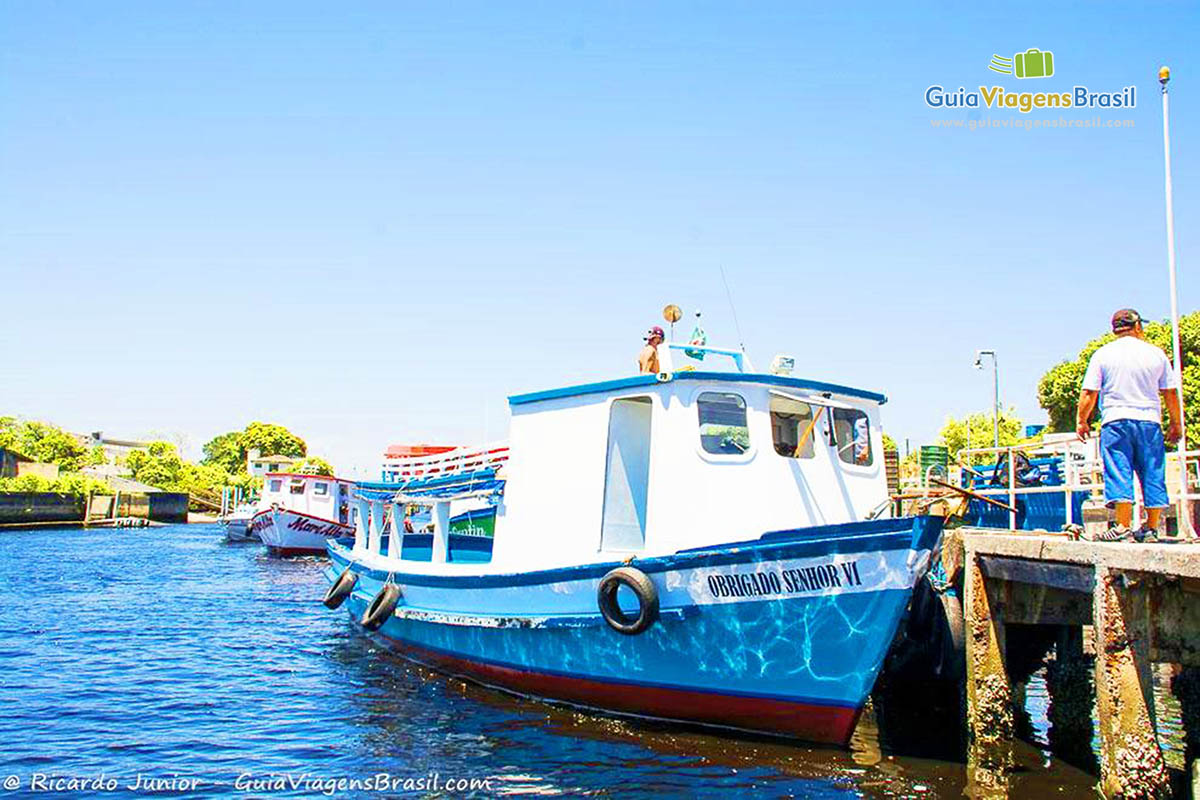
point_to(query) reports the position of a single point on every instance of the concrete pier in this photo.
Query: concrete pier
(1026, 595)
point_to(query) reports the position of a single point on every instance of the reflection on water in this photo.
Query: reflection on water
(166, 651)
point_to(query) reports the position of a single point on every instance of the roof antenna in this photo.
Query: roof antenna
(736, 327)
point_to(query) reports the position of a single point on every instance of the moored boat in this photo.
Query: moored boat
(237, 524)
(298, 513)
(695, 546)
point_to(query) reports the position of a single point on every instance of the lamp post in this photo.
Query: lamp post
(979, 354)
(1184, 521)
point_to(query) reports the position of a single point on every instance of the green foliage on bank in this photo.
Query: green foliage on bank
(67, 483)
(1058, 390)
(41, 441)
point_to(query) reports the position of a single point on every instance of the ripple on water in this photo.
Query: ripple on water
(164, 650)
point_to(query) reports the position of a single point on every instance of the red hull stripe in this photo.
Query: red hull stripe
(808, 721)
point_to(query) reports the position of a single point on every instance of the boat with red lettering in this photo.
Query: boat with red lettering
(703, 545)
(298, 514)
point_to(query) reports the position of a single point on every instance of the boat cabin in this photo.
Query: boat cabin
(318, 496)
(648, 465)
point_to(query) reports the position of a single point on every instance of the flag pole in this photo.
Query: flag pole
(1184, 524)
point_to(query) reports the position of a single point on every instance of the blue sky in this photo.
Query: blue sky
(372, 222)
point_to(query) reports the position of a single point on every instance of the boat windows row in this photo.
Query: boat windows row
(795, 428)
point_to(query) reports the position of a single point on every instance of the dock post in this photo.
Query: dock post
(1072, 699)
(1131, 764)
(989, 696)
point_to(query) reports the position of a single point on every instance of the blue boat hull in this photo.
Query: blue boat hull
(782, 635)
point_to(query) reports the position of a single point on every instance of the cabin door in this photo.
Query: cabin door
(627, 475)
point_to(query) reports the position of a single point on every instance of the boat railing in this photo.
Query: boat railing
(1083, 471)
(666, 355)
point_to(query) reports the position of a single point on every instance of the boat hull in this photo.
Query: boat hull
(792, 652)
(291, 533)
(237, 529)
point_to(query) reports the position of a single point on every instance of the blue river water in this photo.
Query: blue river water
(203, 669)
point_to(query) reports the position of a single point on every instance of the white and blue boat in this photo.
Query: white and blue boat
(696, 546)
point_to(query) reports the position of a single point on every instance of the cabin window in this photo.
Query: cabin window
(792, 428)
(852, 435)
(320, 489)
(723, 429)
(297, 487)
(276, 485)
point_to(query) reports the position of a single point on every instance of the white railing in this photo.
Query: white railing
(1083, 471)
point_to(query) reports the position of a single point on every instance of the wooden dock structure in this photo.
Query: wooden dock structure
(1111, 609)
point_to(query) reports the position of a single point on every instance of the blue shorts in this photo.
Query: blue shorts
(1131, 446)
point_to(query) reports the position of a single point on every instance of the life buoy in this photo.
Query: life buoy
(341, 588)
(641, 586)
(381, 607)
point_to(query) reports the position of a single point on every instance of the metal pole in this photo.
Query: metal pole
(1184, 525)
(996, 401)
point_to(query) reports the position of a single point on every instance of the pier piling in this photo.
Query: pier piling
(1027, 594)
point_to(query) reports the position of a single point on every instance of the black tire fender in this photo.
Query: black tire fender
(640, 585)
(341, 588)
(381, 607)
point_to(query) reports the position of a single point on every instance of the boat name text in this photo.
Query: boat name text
(787, 581)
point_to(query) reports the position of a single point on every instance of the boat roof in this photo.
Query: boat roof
(783, 381)
(306, 475)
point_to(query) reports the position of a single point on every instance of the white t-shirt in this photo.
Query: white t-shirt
(1129, 373)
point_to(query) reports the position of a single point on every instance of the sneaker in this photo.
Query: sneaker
(1117, 533)
(1146, 535)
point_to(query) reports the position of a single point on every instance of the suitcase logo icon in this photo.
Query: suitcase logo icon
(1033, 63)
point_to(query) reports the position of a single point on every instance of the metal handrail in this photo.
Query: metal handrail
(1073, 471)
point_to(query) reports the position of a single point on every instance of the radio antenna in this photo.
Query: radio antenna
(733, 308)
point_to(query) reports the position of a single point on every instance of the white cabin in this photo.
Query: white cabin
(654, 464)
(315, 495)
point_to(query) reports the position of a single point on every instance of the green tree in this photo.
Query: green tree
(229, 450)
(272, 440)
(953, 435)
(313, 466)
(1058, 390)
(47, 443)
(226, 451)
(889, 444)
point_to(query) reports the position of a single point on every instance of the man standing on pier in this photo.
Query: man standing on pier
(1128, 376)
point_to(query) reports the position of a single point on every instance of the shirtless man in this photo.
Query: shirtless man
(648, 358)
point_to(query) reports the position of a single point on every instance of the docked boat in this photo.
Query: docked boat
(697, 546)
(236, 523)
(298, 514)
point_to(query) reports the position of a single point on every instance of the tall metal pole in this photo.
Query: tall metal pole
(996, 401)
(1184, 519)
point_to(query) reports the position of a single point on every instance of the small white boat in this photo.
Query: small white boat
(298, 514)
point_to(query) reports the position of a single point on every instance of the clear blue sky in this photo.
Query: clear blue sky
(373, 221)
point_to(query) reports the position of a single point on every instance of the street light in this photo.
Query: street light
(979, 354)
(1184, 524)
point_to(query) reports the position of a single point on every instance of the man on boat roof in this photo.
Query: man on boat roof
(648, 358)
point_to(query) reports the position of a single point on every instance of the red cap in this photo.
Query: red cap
(656, 331)
(1125, 319)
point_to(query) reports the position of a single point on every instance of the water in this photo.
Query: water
(166, 653)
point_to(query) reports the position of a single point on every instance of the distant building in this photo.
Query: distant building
(259, 465)
(114, 449)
